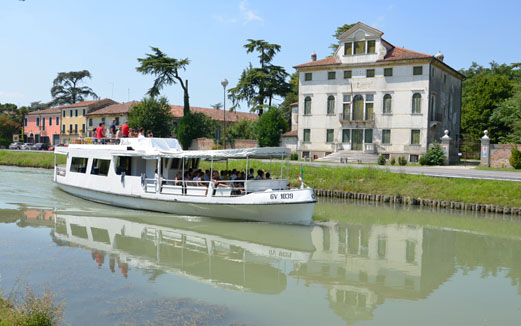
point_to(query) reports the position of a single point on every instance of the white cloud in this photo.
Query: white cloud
(247, 14)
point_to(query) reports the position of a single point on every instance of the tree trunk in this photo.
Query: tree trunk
(186, 108)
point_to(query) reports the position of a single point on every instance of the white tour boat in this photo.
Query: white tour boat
(126, 175)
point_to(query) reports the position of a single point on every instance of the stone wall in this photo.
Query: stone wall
(202, 144)
(500, 155)
(245, 143)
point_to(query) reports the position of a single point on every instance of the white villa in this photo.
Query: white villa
(372, 98)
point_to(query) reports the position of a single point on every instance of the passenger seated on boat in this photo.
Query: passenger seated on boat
(233, 175)
(217, 182)
(268, 176)
(178, 181)
(207, 176)
(260, 175)
(251, 175)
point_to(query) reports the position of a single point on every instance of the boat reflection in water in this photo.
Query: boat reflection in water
(359, 265)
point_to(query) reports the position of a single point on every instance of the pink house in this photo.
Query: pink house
(43, 126)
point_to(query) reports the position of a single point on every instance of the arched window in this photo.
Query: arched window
(358, 108)
(387, 103)
(307, 105)
(330, 104)
(416, 103)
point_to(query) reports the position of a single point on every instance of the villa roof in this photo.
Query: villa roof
(93, 103)
(218, 115)
(46, 111)
(117, 108)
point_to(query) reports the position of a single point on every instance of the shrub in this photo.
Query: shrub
(31, 310)
(402, 161)
(269, 126)
(434, 156)
(515, 158)
(393, 161)
(381, 160)
(294, 157)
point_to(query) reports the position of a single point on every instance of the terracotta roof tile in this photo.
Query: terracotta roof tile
(323, 62)
(398, 53)
(177, 112)
(291, 133)
(46, 111)
(88, 103)
(114, 108)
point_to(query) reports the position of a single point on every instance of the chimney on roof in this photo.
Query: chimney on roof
(439, 56)
(314, 56)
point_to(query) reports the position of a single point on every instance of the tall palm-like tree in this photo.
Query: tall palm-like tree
(166, 72)
(66, 88)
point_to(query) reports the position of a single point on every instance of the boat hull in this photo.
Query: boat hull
(299, 212)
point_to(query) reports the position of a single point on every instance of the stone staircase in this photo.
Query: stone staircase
(350, 157)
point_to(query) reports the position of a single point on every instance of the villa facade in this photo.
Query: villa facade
(43, 126)
(375, 98)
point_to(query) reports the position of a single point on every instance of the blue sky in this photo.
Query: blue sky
(43, 37)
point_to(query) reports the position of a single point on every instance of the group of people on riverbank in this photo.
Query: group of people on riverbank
(99, 134)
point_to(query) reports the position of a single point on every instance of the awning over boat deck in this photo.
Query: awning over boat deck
(264, 152)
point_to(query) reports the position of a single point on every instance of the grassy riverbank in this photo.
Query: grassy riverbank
(30, 159)
(376, 181)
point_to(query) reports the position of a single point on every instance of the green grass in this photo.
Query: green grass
(376, 181)
(497, 169)
(30, 159)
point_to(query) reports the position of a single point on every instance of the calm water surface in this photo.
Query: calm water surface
(362, 265)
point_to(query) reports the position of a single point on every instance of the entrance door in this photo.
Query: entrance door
(357, 137)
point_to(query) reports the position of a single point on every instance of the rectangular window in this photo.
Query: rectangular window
(83, 127)
(369, 73)
(63, 113)
(83, 112)
(25, 122)
(79, 164)
(330, 135)
(360, 47)
(415, 137)
(102, 119)
(100, 167)
(38, 121)
(348, 74)
(346, 136)
(70, 128)
(75, 128)
(76, 112)
(331, 75)
(368, 136)
(123, 164)
(413, 158)
(70, 113)
(382, 247)
(43, 123)
(63, 128)
(371, 46)
(348, 48)
(90, 122)
(50, 121)
(57, 121)
(117, 121)
(369, 111)
(388, 72)
(386, 136)
(308, 76)
(410, 251)
(416, 71)
(307, 135)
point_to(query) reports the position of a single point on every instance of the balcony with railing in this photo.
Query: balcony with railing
(367, 119)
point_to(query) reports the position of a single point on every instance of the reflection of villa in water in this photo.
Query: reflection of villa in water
(360, 266)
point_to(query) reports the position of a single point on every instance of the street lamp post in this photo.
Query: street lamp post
(224, 82)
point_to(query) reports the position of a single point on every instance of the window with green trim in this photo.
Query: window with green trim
(360, 47)
(348, 48)
(348, 74)
(371, 46)
(415, 137)
(369, 73)
(388, 72)
(308, 76)
(307, 135)
(416, 71)
(386, 136)
(330, 135)
(331, 75)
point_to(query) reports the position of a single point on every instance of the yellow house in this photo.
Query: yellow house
(74, 121)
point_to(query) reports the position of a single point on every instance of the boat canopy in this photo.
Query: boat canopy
(154, 148)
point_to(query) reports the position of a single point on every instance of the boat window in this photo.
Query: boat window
(194, 163)
(100, 167)
(123, 164)
(79, 164)
(175, 164)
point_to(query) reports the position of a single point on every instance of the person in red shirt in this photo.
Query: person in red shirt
(99, 132)
(124, 130)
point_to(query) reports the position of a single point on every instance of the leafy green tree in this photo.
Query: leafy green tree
(166, 72)
(269, 127)
(8, 128)
(291, 97)
(515, 158)
(66, 88)
(339, 31)
(195, 125)
(258, 85)
(244, 129)
(507, 117)
(152, 115)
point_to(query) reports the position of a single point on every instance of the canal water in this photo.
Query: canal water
(359, 264)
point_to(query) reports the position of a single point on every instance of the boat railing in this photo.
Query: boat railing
(95, 141)
(224, 188)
